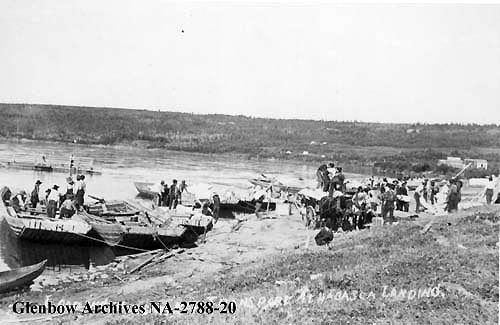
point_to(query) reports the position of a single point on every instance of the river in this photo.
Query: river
(120, 167)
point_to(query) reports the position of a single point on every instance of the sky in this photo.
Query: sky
(378, 63)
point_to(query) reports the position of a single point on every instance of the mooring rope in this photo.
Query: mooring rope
(117, 245)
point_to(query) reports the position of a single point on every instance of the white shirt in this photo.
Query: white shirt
(54, 195)
(158, 188)
(80, 185)
(490, 185)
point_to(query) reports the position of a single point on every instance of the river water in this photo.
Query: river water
(120, 167)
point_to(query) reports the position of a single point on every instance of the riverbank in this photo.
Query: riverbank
(453, 262)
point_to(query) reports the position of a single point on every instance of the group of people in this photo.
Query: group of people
(394, 195)
(330, 179)
(170, 196)
(68, 201)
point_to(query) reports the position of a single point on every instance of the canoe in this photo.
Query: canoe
(21, 277)
(145, 190)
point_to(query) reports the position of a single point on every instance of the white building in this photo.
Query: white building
(477, 163)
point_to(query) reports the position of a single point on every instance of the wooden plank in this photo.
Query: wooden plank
(138, 267)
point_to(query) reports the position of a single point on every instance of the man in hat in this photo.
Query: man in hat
(35, 194)
(388, 199)
(174, 195)
(70, 186)
(80, 191)
(53, 201)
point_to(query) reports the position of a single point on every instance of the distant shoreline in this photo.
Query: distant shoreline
(348, 167)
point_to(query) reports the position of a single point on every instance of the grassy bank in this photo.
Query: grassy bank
(458, 257)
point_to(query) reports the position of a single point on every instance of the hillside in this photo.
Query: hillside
(259, 137)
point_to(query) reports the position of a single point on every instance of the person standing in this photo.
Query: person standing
(489, 189)
(452, 198)
(160, 192)
(53, 201)
(165, 195)
(360, 199)
(70, 187)
(174, 191)
(388, 199)
(80, 191)
(341, 179)
(417, 195)
(402, 203)
(216, 209)
(373, 200)
(182, 189)
(322, 177)
(35, 194)
(424, 190)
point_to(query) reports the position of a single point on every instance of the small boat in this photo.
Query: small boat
(137, 229)
(145, 190)
(147, 236)
(21, 277)
(276, 185)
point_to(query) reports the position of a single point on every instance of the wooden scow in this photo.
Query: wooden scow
(42, 229)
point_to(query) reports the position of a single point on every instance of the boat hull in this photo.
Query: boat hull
(50, 230)
(247, 206)
(21, 277)
(145, 191)
(150, 237)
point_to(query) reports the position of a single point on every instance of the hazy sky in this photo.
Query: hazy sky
(434, 63)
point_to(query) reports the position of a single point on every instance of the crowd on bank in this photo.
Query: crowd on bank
(383, 197)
